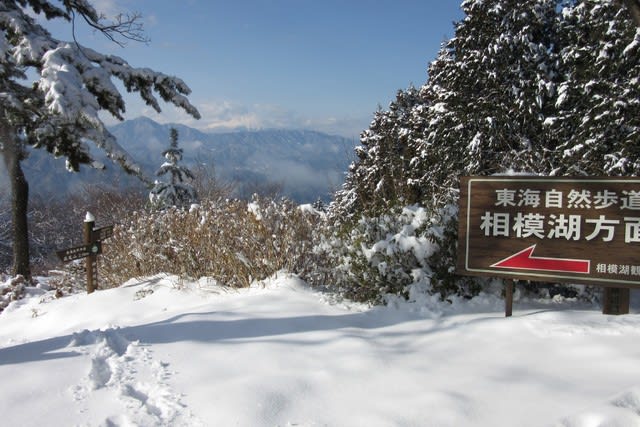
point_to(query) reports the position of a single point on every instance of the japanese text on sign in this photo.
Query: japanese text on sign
(563, 226)
(571, 229)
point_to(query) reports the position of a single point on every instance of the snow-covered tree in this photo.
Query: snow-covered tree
(547, 87)
(492, 88)
(177, 192)
(59, 111)
(377, 179)
(598, 102)
(541, 86)
(482, 110)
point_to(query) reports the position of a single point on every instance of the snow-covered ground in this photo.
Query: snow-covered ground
(168, 353)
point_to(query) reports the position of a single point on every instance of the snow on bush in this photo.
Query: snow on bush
(230, 241)
(11, 290)
(402, 253)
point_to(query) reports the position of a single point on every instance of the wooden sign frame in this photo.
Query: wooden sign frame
(582, 230)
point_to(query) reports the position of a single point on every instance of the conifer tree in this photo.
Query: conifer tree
(598, 101)
(482, 111)
(547, 87)
(377, 179)
(176, 192)
(538, 86)
(492, 88)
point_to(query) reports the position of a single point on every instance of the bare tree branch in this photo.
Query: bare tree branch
(123, 27)
(126, 27)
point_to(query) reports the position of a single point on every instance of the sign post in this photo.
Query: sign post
(615, 301)
(508, 298)
(553, 229)
(90, 250)
(91, 260)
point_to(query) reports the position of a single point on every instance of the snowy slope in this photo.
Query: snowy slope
(280, 354)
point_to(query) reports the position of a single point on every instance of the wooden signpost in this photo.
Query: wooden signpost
(553, 229)
(91, 248)
(79, 252)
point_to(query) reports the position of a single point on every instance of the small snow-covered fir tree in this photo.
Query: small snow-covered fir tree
(176, 192)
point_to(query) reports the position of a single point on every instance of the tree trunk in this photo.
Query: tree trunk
(13, 155)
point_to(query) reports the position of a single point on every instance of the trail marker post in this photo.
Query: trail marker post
(91, 260)
(92, 247)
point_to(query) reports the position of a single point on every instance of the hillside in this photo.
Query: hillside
(307, 164)
(304, 165)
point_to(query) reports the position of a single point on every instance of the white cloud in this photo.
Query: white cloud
(109, 8)
(112, 8)
(227, 115)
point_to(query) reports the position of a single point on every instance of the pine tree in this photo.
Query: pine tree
(176, 192)
(59, 112)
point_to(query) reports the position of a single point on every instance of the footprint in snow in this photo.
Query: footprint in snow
(126, 371)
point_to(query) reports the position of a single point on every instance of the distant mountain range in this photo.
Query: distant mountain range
(304, 165)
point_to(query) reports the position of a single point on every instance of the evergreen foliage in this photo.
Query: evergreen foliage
(387, 254)
(59, 112)
(545, 87)
(598, 102)
(376, 181)
(177, 192)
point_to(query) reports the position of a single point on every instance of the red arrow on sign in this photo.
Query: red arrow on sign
(525, 260)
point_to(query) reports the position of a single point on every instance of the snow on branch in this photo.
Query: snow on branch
(75, 82)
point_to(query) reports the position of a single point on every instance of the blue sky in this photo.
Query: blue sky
(317, 64)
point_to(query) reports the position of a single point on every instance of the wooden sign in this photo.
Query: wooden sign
(79, 252)
(93, 238)
(102, 233)
(578, 230)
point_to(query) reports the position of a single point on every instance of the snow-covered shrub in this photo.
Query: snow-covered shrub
(444, 281)
(230, 241)
(384, 255)
(69, 279)
(11, 290)
(287, 233)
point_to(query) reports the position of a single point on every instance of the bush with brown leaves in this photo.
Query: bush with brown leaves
(231, 241)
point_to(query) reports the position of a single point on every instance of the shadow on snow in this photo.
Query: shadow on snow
(196, 329)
